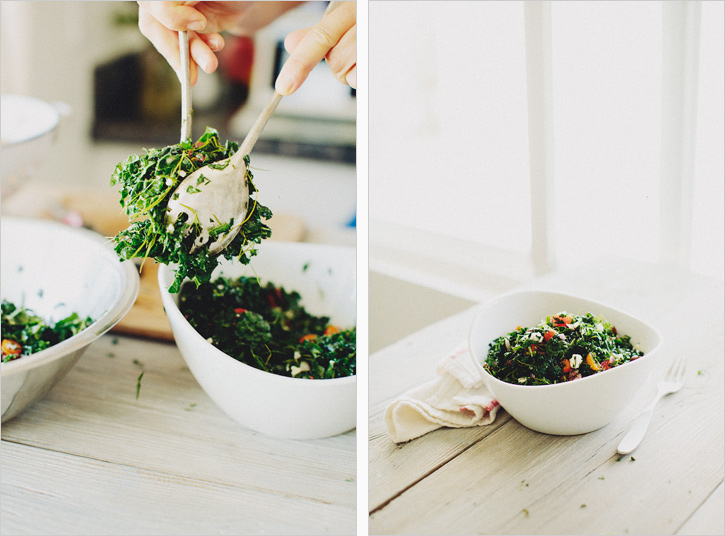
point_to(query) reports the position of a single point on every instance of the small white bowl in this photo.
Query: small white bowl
(573, 407)
(56, 270)
(27, 130)
(277, 405)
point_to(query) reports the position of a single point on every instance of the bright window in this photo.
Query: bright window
(449, 116)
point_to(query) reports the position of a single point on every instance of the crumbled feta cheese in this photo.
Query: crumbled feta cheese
(522, 380)
(599, 327)
(304, 367)
(576, 360)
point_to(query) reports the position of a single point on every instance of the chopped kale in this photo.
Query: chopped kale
(268, 328)
(562, 347)
(147, 184)
(24, 333)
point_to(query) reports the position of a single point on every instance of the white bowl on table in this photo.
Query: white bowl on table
(56, 270)
(277, 405)
(573, 407)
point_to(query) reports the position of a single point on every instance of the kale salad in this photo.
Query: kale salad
(25, 333)
(267, 327)
(562, 347)
(147, 183)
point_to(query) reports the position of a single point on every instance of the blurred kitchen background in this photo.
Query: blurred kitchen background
(509, 139)
(115, 95)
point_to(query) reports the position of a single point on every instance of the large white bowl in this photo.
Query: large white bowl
(56, 270)
(269, 403)
(569, 408)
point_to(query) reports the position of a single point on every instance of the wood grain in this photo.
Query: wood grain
(90, 458)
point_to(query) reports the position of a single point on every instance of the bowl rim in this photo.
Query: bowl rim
(110, 317)
(166, 271)
(48, 107)
(569, 384)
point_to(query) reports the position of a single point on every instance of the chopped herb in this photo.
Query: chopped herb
(526, 512)
(24, 333)
(138, 385)
(631, 458)
(268, 328)
(562, 347)
(147, 184)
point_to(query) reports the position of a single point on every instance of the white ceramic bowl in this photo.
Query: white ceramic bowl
(269, 403)
(56, 270)
(569, 408)
(26, 132)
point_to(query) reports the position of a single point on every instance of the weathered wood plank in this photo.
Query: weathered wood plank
(46, 492)
(174, 429)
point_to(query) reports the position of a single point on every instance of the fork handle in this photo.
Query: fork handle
(639, 428)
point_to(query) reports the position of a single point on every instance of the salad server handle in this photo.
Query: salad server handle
(185, 77)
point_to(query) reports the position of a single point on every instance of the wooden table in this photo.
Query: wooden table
(91, 458)
(506, 479)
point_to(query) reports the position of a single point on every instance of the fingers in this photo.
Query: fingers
(316, 44)
(160, 23)
(342, 59)
(176, 16)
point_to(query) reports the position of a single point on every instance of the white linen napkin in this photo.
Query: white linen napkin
(455, 398)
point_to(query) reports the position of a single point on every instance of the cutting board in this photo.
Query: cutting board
(101, 212)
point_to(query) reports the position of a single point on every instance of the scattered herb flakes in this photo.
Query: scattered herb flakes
(138, 384)
(601, 478)
(526, 512)
(25, 333)
(138, 363)
(631, 458)
(562, 347)
(190, 407)
(147, 184)
(268, 328)
(583, 506)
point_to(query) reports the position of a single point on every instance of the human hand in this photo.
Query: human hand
(333, 38)
(160, 23)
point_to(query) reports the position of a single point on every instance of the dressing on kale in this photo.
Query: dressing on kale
(562, 347)
(268, 328)
(147, 183)
(25, 333)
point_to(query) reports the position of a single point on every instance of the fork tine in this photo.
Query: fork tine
(676, 372)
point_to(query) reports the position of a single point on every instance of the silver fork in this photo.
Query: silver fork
(671, 383)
